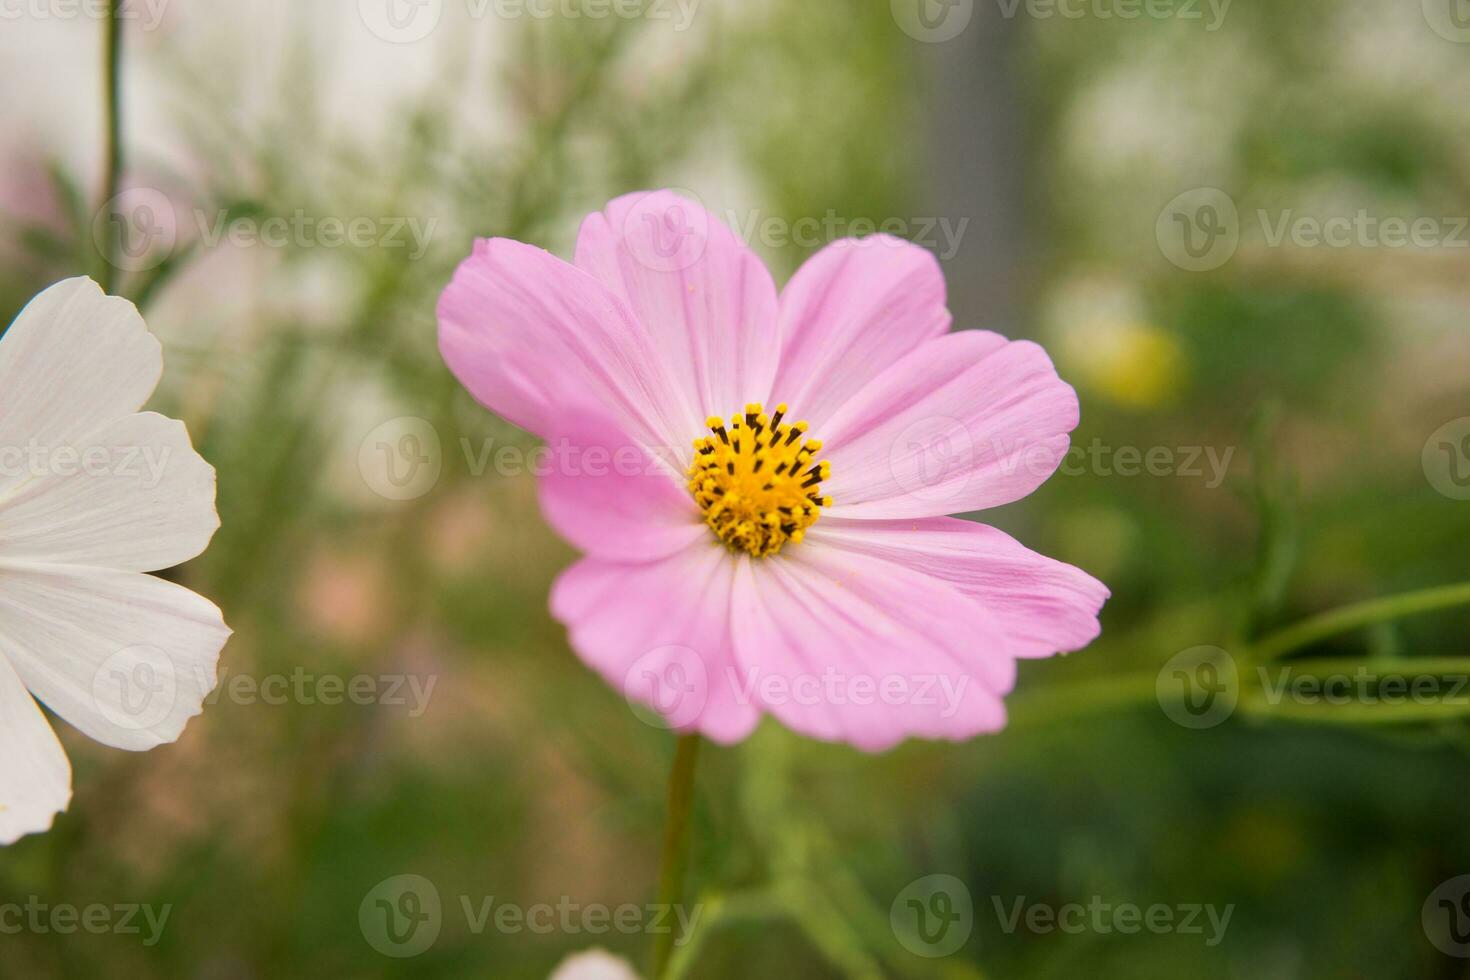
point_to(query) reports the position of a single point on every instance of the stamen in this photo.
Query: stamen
(758, 493)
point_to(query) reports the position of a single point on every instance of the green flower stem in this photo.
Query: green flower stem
(112, 173)
(675, 858)
(1341, 620)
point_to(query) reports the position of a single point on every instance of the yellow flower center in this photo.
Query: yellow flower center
(756, 480)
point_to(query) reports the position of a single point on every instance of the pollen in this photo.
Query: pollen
(757, 480)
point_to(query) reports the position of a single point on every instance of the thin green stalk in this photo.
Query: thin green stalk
(675, 858)
(112, 172)
(1309, 631)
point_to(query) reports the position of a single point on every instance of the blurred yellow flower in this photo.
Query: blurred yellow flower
(1107, 343)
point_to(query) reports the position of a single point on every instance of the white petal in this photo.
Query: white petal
(35, 776)
(74, 360)
(595, 964)
(125, 657)
(135, 497)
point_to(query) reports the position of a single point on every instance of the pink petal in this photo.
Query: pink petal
(1044, 605)
(660, 633)
(523, 331)
(707, 300)
(851, 311)
(851, 648)
(965, 422)
(610, 497)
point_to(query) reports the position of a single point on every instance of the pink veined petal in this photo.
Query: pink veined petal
(850, 311)
(707, 300)
(660, 633)
(35, 776)
(521, 329)
(851, 648)
(610, 497)
(1045, 606)
(965, 422)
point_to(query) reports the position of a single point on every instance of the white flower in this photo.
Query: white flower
(93, 494)
(595, 964)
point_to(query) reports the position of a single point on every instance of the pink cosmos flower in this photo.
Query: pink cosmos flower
(760, 479)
